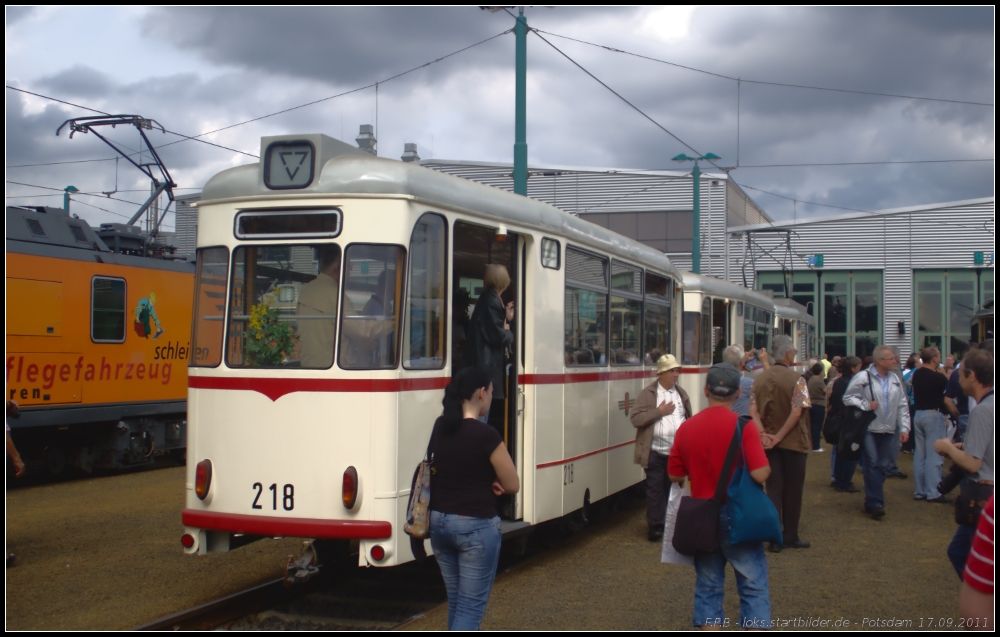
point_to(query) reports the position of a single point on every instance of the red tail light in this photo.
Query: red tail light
(378, 553)
(203, 478)
(187, 540)
(350, 490)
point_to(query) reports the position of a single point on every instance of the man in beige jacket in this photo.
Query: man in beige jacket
(659, 411)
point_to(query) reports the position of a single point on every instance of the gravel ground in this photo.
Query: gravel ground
(609, 576)
(105, 554)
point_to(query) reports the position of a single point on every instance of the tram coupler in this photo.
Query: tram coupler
(299, 571)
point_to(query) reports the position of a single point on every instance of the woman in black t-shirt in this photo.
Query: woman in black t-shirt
(470, 469)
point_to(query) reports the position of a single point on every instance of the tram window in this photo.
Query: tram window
(107, 313)
(371, 299)
(626, 313)
(550, 254)
(426, 317)
(586, 309)
(705, 333)
(209, 306)
(283, 306)
(659, 298)
(691, 332)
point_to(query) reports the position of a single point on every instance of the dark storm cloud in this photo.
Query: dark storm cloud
(336, 45)
(274, 58)
(13, 15)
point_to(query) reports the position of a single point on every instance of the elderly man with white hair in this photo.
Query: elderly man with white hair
(878, 389)
(779, 404)
(735, 356)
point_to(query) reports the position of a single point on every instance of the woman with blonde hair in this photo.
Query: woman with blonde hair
(489, 329)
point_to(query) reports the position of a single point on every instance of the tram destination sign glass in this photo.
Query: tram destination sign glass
(289, 165)
(292, 223)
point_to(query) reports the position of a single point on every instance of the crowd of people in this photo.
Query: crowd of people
(868, 410)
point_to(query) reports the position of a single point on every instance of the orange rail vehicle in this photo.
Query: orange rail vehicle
(97, 345)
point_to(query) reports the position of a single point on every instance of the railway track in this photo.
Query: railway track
(345, 597)
(342, 598)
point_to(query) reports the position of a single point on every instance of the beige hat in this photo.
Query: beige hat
(666, 363)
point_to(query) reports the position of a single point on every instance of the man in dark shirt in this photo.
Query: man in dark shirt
(929, 425)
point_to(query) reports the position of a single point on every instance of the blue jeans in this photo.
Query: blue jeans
(750, 566)
(963, 424)
(876, 464)
(467, 551)
(960, 547)
(928, 427)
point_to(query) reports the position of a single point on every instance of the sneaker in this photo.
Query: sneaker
(849, 489)
(920, 497)
(898, 474)
(774, 547)
(655, 533)
(797, 544)
(820, 450)
(940, 500)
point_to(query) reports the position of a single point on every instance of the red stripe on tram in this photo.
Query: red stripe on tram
(583, 455)
(275, 388)
(287, 527)
(591, 377)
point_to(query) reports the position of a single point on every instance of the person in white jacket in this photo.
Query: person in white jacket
(878, 389)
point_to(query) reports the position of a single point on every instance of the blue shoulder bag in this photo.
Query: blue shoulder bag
(752, 516)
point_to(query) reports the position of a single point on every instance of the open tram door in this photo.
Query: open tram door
(475, 247)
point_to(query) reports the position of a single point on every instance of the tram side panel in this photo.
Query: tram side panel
(544, 357)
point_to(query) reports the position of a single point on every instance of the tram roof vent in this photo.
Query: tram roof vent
(410, 153)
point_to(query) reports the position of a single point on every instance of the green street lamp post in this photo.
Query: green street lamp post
(68, 190)
(696, 204)
(520, 105)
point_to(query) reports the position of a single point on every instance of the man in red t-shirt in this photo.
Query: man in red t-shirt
(698, 452)
(975, 601)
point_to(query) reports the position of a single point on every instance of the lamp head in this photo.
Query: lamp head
(711, 156)
(683, 157)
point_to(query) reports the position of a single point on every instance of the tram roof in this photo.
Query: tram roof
(789, 309)
(346, 171)
(717, 287)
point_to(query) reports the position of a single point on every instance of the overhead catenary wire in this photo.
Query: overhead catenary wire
(622, 98)
(764, 82)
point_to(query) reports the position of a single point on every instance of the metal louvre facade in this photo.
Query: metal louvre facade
(583, 192)
(895, 242)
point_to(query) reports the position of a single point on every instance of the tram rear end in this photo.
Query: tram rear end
(299, 411)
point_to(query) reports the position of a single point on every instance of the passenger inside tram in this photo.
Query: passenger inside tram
(318, 298)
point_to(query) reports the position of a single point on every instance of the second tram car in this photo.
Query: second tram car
(332, 292)
(717, 314)
(793, 319)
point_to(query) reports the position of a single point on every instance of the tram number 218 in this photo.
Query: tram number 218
(287, 496)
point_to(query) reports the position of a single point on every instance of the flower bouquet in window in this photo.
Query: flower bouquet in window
(269, 340)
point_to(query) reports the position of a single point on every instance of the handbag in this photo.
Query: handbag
(972, 497)
(831, 428)
(752, 516)
(418, 511)
(697, 530)
(854, 425)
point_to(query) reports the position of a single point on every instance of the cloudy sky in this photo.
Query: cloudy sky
(200, 69)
